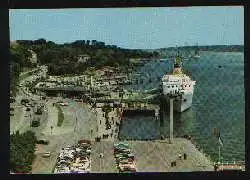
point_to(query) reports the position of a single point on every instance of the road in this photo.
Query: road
(22, 118)
(106, 164)
(152, 156)
(78, 119)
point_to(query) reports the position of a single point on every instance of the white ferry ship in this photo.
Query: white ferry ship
(179, 84)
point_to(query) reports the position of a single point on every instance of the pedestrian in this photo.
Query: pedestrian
(174, 163)
(185, 156)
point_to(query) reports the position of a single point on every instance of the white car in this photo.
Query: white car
(64, 104)
(46, 154)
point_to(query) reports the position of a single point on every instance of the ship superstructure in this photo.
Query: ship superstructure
(179, 84)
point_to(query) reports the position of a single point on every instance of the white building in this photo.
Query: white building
(83, 58)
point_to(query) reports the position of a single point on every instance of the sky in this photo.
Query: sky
(133, 28)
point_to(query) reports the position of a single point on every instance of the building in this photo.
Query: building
(83, 58)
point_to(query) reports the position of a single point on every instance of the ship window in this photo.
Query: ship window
(168, 86)
(189, 85)
(172, 86)
(185, 85)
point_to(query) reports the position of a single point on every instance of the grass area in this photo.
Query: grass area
(26, 69)
(60, 115)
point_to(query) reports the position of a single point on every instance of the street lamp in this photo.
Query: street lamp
(172, 97)
(51, 127)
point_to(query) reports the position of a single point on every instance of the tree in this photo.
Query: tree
(94, 43)
(88, 42)
(39, 41)
(22, 148)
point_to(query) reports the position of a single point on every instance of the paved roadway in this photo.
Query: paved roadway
(21, 119)
(106, 164)
(76, 124)
(156, 156)
(153, 156)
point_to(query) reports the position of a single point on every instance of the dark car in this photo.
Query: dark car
(12, 100)
(83, 141)
(43, 141)
(35, 123)
(28, 109)
(39, 111)
(24, 101)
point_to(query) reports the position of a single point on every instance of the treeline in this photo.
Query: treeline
(22, 148)
(217, 48)
(63, 58)
(19, 59)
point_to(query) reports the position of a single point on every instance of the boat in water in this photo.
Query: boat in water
(162, 60)
(180, 85)
(196, 53)
(197, 56)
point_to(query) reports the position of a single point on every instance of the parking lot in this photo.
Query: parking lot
(105, 164)
(153, 156)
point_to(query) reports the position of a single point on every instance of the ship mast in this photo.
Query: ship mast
(178, 60)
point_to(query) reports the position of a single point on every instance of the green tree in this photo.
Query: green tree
(22, 147)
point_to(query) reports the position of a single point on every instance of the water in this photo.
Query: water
(218, 101)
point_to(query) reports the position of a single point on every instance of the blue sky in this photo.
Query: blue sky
(144, 28)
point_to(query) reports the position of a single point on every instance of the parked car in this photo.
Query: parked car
(24, 101)
(39, 110)
(46, 154)
(43, 141)
(63, 104)
(12, 100)
(35, 123)
(28, 109)
(84, 141)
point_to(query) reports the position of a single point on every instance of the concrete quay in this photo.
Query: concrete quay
(153, 156)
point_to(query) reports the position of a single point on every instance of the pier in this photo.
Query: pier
(154, 156)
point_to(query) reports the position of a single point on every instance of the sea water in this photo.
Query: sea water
(218, 102)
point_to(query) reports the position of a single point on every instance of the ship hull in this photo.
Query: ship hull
(182, 103)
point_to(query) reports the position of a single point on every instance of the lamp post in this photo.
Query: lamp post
(172, 97)
(51, 127)
(171, 121)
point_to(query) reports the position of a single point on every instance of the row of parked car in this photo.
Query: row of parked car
(125, 159)
(75, 159)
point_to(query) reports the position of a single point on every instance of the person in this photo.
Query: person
(179, 156)
(215, 167)
(185, 156)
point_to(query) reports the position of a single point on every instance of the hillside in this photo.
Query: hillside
(77, 56)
